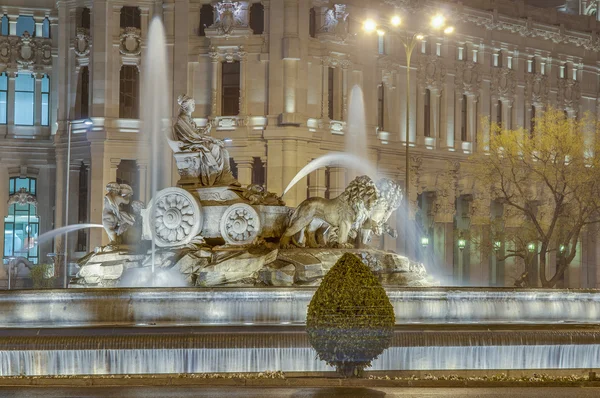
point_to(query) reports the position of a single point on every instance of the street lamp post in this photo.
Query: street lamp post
(409, 42)
(87, 122)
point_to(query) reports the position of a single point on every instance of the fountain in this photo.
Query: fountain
(250, 265)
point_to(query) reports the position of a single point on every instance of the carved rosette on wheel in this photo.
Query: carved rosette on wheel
(240, 224)
(177, 217)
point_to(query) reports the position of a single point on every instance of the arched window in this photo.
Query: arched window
(85, 18)
(3, 98)
(24, 99)
(25, 23)
(427, 116)
(207, 18)
(230, 89)
(257, 18)
(464, 121)
(131, 17)
(21, 225)
(46, 28)
(312, 23)
(129, 93)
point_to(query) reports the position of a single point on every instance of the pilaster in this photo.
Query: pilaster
(244, 167)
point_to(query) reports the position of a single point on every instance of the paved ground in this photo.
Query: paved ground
(228, 392)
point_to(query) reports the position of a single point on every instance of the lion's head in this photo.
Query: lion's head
(361, 195)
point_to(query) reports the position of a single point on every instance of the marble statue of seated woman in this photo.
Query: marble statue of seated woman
(213, 165)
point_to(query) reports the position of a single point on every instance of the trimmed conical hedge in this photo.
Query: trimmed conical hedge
(350, 319)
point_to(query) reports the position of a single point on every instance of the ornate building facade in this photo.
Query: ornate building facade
(274, 77)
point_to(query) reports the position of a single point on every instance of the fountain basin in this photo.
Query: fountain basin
(285, 306)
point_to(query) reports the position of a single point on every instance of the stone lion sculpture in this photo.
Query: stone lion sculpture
(390, 197)
(114, 219)
(348, 211)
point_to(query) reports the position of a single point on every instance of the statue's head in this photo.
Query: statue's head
(125, 192)
(186, 103)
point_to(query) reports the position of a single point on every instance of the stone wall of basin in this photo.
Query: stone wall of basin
(283, 306)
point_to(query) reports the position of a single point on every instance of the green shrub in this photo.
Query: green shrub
(39, 279)
(350, 319)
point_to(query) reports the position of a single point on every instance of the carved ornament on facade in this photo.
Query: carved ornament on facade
(5, 51)
(432, 72)
(334, 61)
(230, 16)
(504, 83)
(82, 42)
(26, 50)
(468, 77)
(537, 88)
(526, 28)
(23, 197)
(130, 42)
(410, 6)
(336, 23)
(227, 54)
(444, 207)
(569, 94)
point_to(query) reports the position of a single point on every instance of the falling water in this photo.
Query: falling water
(156, 111)
(347, 160)
(356, 129)
(63, 230)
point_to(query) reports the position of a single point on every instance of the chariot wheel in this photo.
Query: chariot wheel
(240, 224)
(177, 217)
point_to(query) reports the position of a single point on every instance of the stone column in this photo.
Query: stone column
(337, 181)
(458, 100)
(507, 114)
(479, 258)
(73, 205)
(275, 166)
(39, 26)
(37, 113)
(102, 33)
(317, 186)
(435, 113)
(243, 73)
(60, 192)
(10, 108)
(289, 149)
(325, 100)
(344, 115)
(3, 203)
(12, 24)
(144, 183)
(216, 69)
(244, 166)
(291, 59)
(144, 16)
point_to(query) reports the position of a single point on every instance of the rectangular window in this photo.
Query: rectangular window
(45, 101)
(3, 98)
(85, 18)
(24, 99)
(230, 89)
(463, 131)
(207, 16)
(25, 24)
(4, 23)
(312, 23)
(499, 114)
(82, 216)
(84, 95)
(21, 226)
(128, 92)
(131, 17)
(257, 18)
(381, 44)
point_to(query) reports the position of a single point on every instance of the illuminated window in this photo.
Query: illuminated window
(21, 226)
(24, 99)
(45, 101)
(3, 97)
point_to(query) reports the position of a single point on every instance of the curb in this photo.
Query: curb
(171, 381)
